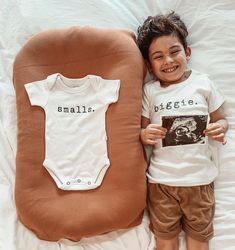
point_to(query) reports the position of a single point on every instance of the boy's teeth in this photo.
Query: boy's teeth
(169, 70)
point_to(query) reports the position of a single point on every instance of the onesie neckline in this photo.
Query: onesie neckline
(73, 85)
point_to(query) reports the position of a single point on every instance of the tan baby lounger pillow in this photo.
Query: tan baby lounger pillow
(52, 213)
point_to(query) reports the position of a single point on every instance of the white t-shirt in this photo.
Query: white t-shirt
(75, 136)
(183, 158)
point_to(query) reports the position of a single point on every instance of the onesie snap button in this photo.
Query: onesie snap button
(79, 180)
(68, 183)
(89, 183)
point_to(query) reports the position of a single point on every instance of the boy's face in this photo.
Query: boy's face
(168, 59)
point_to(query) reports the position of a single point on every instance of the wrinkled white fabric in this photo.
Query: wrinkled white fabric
(211, 26)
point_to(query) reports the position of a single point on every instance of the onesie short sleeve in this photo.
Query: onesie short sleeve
(108, 90)
(37, 93)
(215, 98)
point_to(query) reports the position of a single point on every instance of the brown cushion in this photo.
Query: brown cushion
(119, 202)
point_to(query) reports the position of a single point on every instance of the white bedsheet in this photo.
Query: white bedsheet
(211, 25)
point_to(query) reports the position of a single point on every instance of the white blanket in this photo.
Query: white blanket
(211, 26)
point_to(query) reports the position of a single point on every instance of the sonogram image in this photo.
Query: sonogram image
(184, 130)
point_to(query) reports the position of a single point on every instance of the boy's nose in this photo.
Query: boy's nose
(168, 59)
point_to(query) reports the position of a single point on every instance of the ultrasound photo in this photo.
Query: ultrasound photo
(184, 130)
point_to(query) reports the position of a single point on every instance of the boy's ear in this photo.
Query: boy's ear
(149, 66)
(188, 53)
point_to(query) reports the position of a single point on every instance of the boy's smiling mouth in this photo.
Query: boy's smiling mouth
(169, 70)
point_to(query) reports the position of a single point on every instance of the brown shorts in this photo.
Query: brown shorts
(174, 208)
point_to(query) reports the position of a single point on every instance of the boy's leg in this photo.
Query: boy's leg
(165, 216)
(193, 244)
(198, 204)
(172, 244)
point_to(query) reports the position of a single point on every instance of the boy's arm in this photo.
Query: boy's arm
(151, 132)
(218, 126)
(144, 122)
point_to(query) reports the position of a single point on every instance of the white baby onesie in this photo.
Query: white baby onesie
(75, 136)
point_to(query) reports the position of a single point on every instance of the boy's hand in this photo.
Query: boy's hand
(152, 133)
(216, 131)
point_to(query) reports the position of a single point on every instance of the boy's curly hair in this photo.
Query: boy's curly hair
(160, 25)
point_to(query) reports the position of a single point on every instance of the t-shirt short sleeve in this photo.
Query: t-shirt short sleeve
(108, 90)
(37, 93)
(215, 98)
(146, 101)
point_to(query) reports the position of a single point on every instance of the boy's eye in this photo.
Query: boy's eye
(158, 57)
(175, 52)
